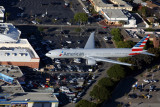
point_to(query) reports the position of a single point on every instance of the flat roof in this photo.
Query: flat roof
(34, 97)
(101, 3)
(19, 51)
(113, 13)
(8, 33)
(10, 70)
(117, 14)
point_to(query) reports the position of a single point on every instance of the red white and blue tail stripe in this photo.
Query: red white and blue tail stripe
(138, 48)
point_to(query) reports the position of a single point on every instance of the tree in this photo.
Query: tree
(92, 10)
(155, 51)
(117, 34)
(85, 103)
(7, 15)
(143, 11)
(100, 93)
(40, 29)
(38, 20)
(106, 82)
(125, 44)
(116, 72)
(81, 17)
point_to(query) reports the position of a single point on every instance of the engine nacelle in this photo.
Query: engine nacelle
(90, 62)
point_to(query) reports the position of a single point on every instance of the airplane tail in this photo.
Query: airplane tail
(138, 48)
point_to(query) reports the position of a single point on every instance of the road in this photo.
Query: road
(104, 68)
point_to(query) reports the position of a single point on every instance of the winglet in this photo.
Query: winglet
(90, 43)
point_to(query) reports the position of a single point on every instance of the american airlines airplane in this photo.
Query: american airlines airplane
(93, 55)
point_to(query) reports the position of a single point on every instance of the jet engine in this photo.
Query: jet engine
(90, 62)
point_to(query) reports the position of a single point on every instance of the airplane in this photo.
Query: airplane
(93, 55)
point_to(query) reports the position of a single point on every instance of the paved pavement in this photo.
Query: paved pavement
(33, 9)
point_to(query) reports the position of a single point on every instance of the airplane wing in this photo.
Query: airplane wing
(90, 43)
(108, 60)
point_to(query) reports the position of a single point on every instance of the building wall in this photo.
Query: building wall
(54, 104)
(99, 8)
(156, 42)
(29, 64)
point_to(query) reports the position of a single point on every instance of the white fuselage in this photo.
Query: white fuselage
(81, 53)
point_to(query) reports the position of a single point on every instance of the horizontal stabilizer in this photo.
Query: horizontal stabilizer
(147, 53)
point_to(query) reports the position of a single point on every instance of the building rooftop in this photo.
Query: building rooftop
(112, 13)
(19, 51)
(115, 14)
(34, 97)
(151, 5)
(7, 72)
(12, 71)
(8, 33)
(121, 3)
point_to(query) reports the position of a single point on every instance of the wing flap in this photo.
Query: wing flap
(108, 60)
(90, 43)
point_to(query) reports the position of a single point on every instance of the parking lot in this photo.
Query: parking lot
(141, 91)
(69, 87)
(45, 12)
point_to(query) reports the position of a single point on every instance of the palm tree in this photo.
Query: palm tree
(7, 15)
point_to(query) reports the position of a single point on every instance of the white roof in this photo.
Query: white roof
(121, 3)
(8, 33)
(21, 51)
(116, 15)
(34, 97)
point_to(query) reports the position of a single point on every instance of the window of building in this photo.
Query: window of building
(14, 54)
(7, 54)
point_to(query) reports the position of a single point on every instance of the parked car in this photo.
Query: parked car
(86, 10)
(105, 38)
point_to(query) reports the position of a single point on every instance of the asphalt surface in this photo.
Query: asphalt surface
(34, 9)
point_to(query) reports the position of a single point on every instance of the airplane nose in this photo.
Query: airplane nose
(47, 54)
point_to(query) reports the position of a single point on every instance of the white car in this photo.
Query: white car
(34, 22)
(68, 23)
(69, 42)
(155, 80)
(105, 38)
(77, 60)
(146, 81)
(74, 100)
(57, 61)
(43, 15)
(86, 10)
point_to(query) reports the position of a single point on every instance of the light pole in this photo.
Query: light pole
(35, 17)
